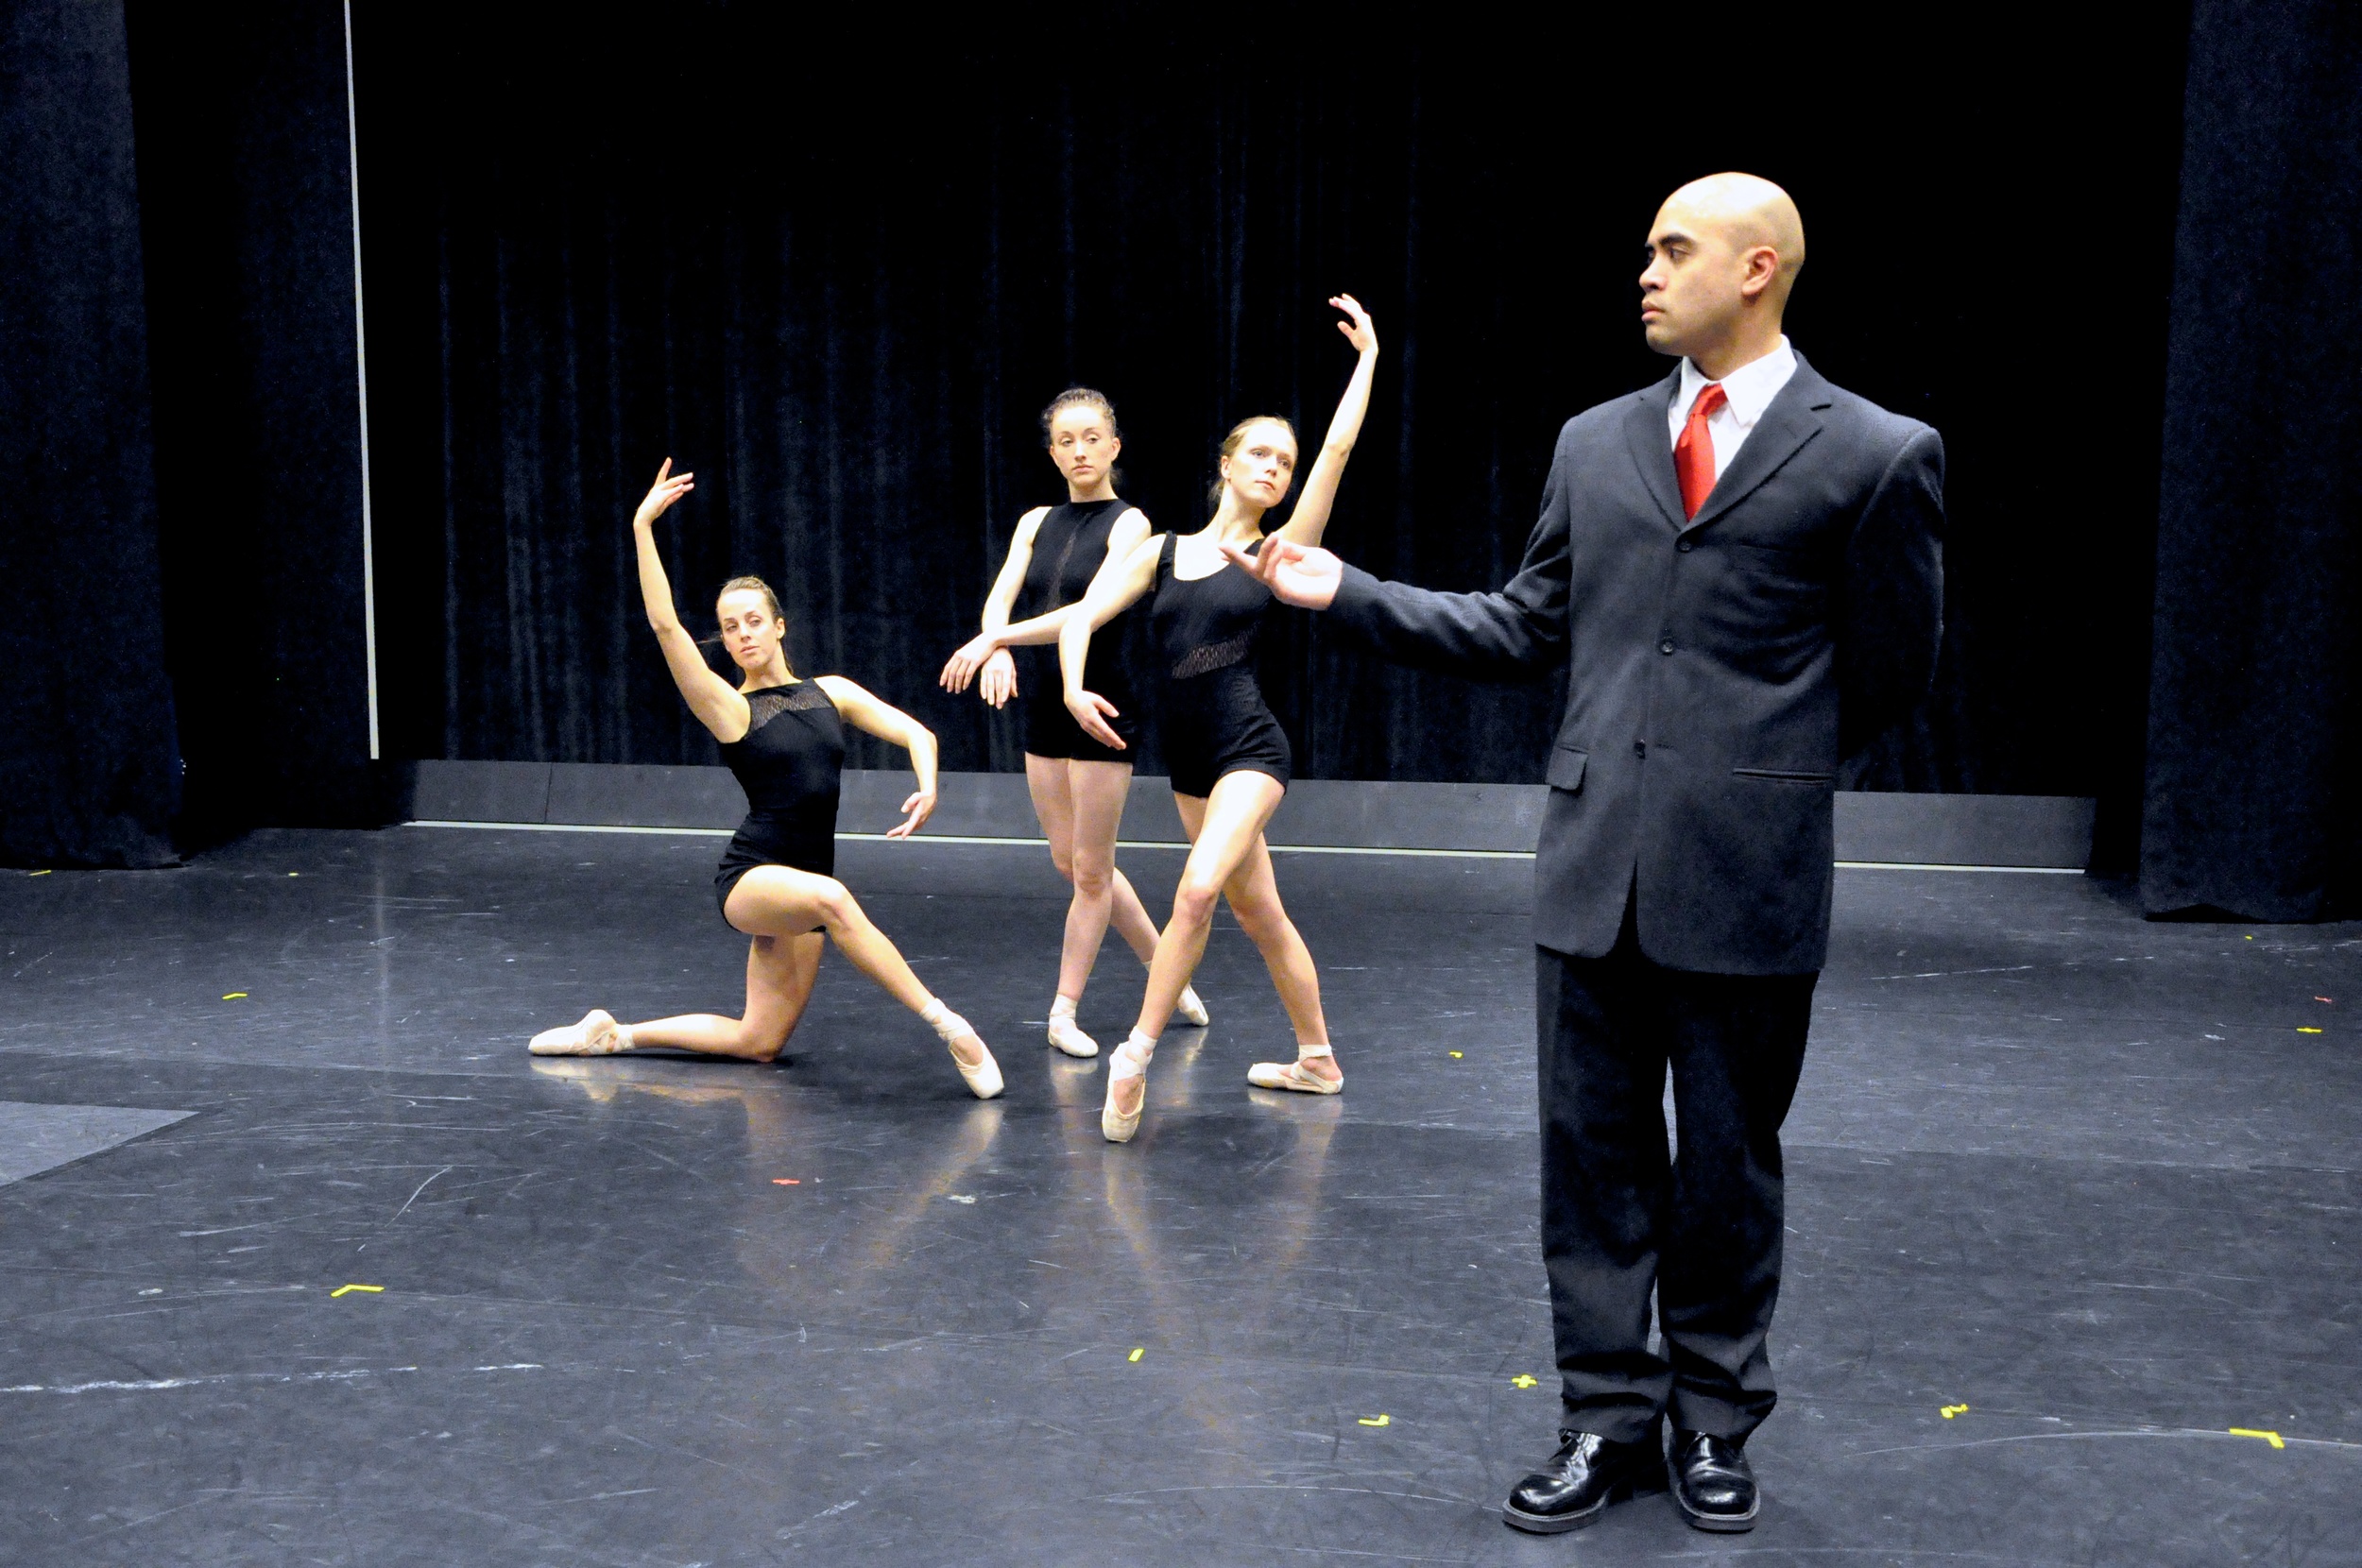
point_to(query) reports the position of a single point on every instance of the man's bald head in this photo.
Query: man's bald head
(1724, 254)
(1748, 211)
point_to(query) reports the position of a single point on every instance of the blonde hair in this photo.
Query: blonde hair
(1230, 446)
(735, 584)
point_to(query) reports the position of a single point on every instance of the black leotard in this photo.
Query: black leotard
(790, 762)
(1214, 720)
(1069, 548)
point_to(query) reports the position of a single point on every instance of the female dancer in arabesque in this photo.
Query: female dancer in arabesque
(1229, 757)
(784, 740)
(1078, 783)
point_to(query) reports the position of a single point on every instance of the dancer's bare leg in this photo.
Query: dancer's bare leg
(1254, 894)
(780, 975)
(1226, 829)
(1082, 804)
(783, 907)
(1098, 790)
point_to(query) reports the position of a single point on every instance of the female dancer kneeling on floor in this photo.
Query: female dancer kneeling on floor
(784, 740)
(1077, 783)
(1228, 756)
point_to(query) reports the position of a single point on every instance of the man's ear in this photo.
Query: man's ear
(1763, 264)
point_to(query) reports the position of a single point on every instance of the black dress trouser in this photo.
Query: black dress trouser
(1620, 1217)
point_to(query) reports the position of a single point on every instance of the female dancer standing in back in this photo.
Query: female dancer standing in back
(1078, 783)
(1229, 757)
(784, 740)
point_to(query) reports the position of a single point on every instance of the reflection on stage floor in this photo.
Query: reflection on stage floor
(347, 1277)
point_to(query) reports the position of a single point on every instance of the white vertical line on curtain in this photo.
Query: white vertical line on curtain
(360, 361)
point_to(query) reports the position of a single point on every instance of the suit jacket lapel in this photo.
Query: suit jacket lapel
(1793, 420)
(1651, 444)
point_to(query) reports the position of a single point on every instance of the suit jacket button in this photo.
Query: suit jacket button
(1666, 646)
(1683, 546)
(1640, 748)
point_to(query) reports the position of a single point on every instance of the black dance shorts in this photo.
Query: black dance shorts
(1198, 755)
(1050, 730)
(809, 852)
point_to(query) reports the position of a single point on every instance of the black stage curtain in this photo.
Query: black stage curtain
(246, 208)
(88, 774)
(2255, 732)
(838, 276)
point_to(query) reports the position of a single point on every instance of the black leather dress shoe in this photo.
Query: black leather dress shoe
(1712, 1484)
(1587, 1475)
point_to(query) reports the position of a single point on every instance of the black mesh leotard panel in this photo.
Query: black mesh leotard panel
(1215, 721)
(791, 763)
(1069, 549)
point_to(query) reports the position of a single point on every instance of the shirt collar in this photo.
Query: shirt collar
(1750, 388)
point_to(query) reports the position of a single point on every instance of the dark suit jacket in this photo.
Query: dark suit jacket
(1718, 670)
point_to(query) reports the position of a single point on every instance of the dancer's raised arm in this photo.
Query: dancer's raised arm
(1119, 584)
(1306, 524)
(713, 700)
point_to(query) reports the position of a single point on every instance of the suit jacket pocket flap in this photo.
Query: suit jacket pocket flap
(1566, 765)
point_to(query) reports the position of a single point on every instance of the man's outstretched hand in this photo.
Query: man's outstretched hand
(1306, 577)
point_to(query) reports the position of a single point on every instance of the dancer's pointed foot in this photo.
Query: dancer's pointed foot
(1192, 1009)
(982, 1073)
(968, 1052)
(1313, 1072)
(1127, 1090)
(598, 1034)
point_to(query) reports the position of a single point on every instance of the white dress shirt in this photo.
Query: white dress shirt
(1749, 390)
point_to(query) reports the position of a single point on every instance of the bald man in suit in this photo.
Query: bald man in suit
(1740, 569)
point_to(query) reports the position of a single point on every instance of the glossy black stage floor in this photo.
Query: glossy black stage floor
(303, 1260)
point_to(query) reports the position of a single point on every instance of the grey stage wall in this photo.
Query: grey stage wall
(1926, 830)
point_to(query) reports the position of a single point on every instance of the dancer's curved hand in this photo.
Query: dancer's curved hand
(1092, 711)
(961, 667)
(668, 488)
(916, 811)
(1360, 332)
(1303, 575)
(996, 682)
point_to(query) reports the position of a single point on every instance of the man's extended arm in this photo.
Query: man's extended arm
(1890, 616)
(1514, 635)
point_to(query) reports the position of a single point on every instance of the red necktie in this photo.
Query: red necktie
(1693, 455)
